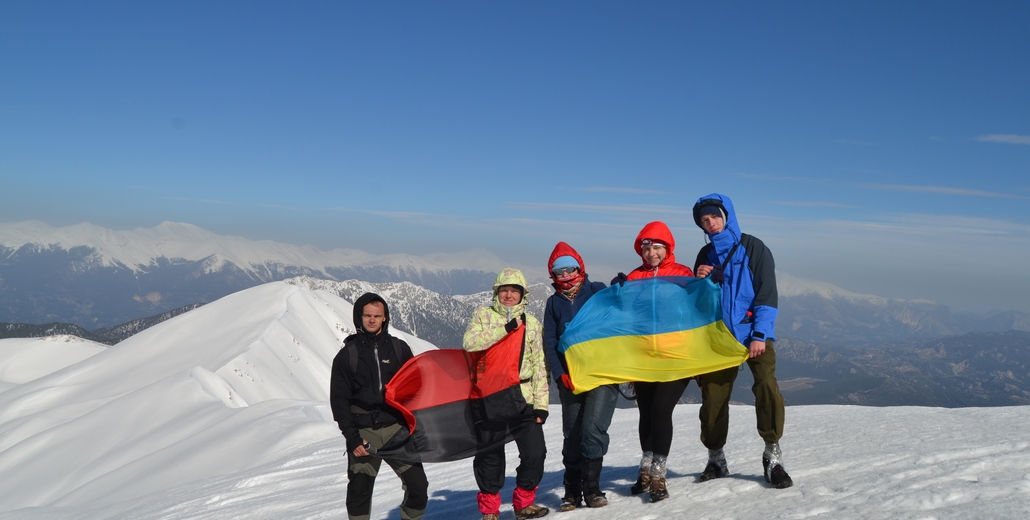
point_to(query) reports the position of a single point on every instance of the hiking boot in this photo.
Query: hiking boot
(569, 503)
(658, 490)
(531, 511)
(716, 467)
(779, 478)
(772, 463)
(595, 500)
(643, 482)
(490, 517)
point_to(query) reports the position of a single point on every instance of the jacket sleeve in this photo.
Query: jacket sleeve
(339, 400)
(702, 257)
(550, 338)
(763, 271)
(483, 330)
(534, 357)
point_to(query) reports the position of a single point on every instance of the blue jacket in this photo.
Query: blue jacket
(557, 314)
(749, 296)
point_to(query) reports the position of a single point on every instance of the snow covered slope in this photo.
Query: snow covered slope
(217, 390)
(25, 359)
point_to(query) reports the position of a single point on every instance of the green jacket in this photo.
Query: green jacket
(487, 328)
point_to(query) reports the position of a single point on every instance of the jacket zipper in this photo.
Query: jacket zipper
(379, 365)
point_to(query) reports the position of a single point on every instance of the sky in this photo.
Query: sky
(880, 146)
(223, 412)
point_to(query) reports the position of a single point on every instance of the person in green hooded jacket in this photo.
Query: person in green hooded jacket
(488, 325)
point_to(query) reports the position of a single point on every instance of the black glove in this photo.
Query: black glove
(419, 441)
(619, 279)
(541, 414)
(511, 325)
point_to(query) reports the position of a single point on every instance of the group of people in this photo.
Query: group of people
(740, 263)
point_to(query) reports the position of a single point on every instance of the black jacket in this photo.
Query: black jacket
(357, 397)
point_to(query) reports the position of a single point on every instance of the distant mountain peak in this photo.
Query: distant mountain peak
(788, 285)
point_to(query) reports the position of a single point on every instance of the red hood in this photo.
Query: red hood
(657, 231)
(563, 249)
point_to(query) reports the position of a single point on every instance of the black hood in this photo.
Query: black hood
(360, 304)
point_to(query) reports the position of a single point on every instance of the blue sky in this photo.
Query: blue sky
(880, 146)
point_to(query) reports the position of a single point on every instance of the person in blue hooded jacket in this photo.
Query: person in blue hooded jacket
(744, 267)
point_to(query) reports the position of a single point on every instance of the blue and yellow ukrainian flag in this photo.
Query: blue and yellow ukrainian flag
(653, 329)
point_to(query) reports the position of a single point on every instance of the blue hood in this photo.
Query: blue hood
(730, 234)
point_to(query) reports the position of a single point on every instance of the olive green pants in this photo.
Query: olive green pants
(717, 387)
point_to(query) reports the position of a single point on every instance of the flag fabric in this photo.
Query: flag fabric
(459, 402)
(653, 329)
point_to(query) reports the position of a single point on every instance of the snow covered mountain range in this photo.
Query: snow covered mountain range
(222, 412)
(96, 278)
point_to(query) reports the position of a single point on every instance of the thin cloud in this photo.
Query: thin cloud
(848, 142)
(624, 209)
(243, 204)
(1005, 139)
(771, 177)
(942, 190)
(812, 204)
(616, 189)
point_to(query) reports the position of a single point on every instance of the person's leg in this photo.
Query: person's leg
(532, 452)
(488, 467)
(598, 409)
(361, 479)
(769, 412)
(645, 395)
(769, 407)
(666, 395)
(572, 432)
(716, 390)
(597, 417)
(415, 486)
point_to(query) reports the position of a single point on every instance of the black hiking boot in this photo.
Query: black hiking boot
(774, 472)
(570, 504)
(716, 467)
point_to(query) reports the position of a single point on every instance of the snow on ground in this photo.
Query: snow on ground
(25, 359)
(221, 413)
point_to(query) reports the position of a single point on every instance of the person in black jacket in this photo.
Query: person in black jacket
(356, 394)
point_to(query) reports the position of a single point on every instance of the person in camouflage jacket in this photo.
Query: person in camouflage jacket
(487, 327)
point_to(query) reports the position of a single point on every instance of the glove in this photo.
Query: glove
(419, 441)
(619, 279)
(511, 325)
(567, 381)
(541, 414)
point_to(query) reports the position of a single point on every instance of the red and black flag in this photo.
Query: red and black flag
(457, 403)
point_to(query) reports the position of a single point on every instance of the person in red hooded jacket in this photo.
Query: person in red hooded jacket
(586, 416)
(655, 401)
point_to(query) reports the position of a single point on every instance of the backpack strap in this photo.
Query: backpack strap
(397, 351)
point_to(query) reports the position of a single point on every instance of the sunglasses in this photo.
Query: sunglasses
(564, 270)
